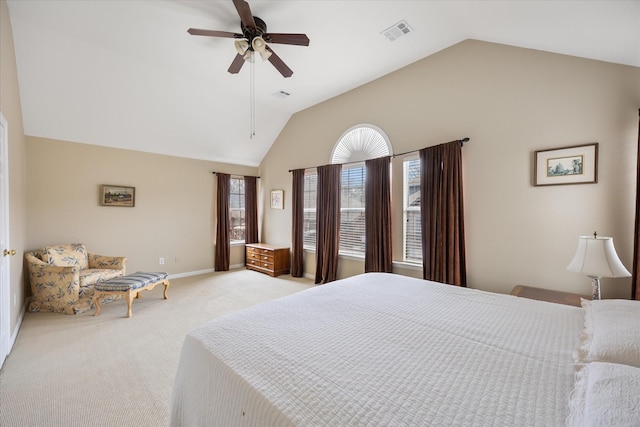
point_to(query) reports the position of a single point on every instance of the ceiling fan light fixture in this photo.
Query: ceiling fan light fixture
(259, 45)
(242, 45)
(265, 54)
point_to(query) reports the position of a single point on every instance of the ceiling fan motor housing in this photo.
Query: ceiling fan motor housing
(251, 33)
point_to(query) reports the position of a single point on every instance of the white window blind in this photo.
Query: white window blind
(310, 191)
(352, 220)
(412, 240)
(236, 209)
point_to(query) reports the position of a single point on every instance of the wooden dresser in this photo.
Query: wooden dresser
(269, 259)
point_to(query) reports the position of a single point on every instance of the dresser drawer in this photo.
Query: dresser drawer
(259, 255)
(266, 263)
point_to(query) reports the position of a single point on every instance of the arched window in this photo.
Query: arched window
(357, 144)
(360, 143)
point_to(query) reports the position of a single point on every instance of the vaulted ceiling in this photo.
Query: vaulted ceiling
(127, 74)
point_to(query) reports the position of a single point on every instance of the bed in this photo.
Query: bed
(384, 349)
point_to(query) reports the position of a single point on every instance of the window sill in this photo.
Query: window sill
(398, 264)
(407, 265)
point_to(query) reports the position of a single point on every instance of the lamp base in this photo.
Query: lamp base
(595, 287)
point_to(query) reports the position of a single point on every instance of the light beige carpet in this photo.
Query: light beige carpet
(110, 370)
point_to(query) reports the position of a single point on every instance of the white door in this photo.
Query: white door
(5, 252)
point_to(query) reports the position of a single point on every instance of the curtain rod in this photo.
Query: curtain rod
(461, 141)
(250, 176)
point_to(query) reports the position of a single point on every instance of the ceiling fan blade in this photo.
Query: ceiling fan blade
(296, 39)
(245, 13)
(279, 64)
(213, 33)
(236, 65)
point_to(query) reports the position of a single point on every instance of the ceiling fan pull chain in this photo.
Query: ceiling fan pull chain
(252, 103)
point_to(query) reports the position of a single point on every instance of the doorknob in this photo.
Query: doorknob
(9, 252)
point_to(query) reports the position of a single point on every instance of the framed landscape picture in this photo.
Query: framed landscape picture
(117, 195)
(577, 164)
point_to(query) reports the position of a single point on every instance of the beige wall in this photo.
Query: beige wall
(510, 102)
(173, 217)
(11, 110)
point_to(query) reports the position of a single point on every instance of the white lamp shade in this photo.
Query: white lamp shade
(241, 46)
(259, 45)
(597, 257)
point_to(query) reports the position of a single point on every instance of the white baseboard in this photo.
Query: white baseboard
(14, 333)
(190, 273)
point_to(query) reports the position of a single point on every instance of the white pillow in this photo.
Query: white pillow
(611, 332)
(605, 394)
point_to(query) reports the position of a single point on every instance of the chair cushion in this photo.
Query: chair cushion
(93, 276)
(71, 255)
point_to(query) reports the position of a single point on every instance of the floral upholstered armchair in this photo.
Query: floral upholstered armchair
(62, 277)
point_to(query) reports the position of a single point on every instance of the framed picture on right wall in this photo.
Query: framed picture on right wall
(577, 164)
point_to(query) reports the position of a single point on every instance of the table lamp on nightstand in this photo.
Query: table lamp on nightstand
(596, 257)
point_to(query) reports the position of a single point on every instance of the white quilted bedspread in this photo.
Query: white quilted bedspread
(381, 349)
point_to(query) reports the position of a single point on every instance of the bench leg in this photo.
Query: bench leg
(96, 300)
(130, 296)
(166, 286)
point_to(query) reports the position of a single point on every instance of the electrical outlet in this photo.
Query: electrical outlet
(176, 260)
(161, 261)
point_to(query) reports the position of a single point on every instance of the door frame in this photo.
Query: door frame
(5, 276)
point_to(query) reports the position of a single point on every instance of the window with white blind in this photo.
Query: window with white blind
(236, 209)
(310, 188)
(412, 240)
(352, 229)
(359, 143)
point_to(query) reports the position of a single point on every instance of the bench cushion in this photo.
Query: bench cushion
(133, 281)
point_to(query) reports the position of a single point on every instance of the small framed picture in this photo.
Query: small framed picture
(577, 164)
(277, 199)
(117, 195)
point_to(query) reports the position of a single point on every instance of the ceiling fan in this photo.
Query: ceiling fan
(254, 38)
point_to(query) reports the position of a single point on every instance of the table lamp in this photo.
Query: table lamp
(596, 257)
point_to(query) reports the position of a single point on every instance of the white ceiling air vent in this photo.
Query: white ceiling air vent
(281, 94)
(397, 30)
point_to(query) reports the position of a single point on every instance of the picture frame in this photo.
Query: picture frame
(117, 195)
(277, 199)
(577, 164)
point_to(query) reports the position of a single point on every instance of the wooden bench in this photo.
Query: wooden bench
(129, 287)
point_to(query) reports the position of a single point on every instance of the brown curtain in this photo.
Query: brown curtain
(378, 257)
(328, 223)
(442, 214)
(635, 281)
(223, 244)
(297, 225)
(250, 209)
